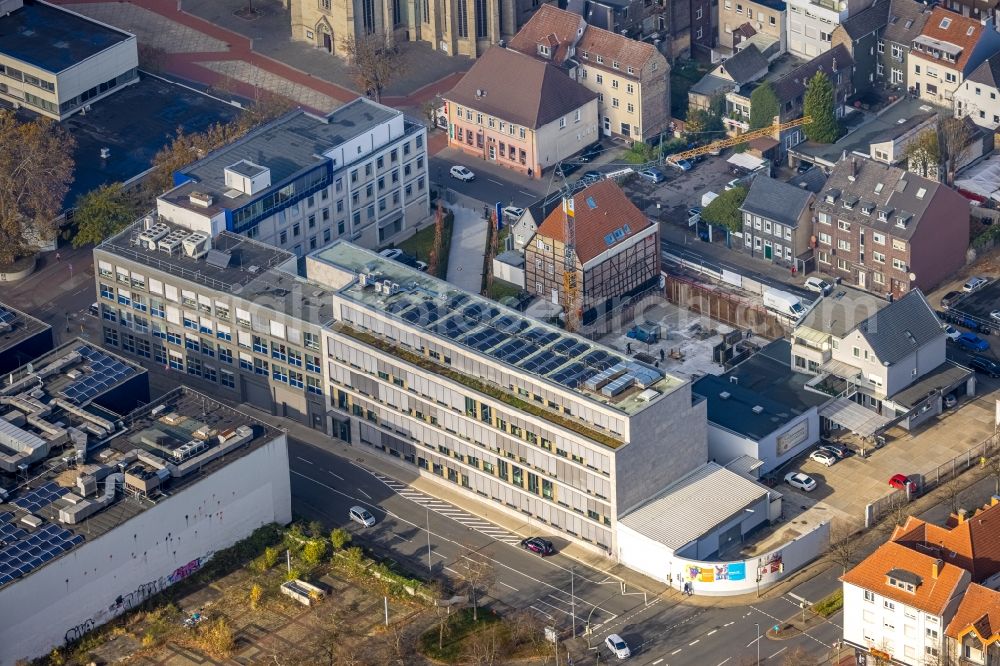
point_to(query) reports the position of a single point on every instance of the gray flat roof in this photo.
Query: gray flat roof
(53, 38)
(22, 326)
(287, 145)
(695, 505)
(735, 412)
(942, 378)
(769, 372)
(28, 549)
(485, 327)
(839, 313)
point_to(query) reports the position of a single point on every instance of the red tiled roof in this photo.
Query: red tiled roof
(961, 31)
(613, 48)
(973, 545)
(612, 210)
(978, 611)
(931, 595)
(556, 28)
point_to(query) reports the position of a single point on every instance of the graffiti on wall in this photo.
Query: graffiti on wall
(74, 633)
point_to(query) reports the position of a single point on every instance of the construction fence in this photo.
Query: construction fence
(723, 306)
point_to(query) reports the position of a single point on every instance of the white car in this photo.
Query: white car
(800, 481)
(952, 333)
(995, 315)
(823, 457)
(362, 516)
(513, 212)
(974, 283)
(391, 253)
(819, 285)
(460, 172)
(618, 646)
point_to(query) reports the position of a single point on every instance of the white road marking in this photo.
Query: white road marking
(541, 611)
(457, 573)
(753, 641)
(728, 624)
(778, 652)
(697, 640)
(308, 462)
(711, 632)
(400, 536)
(510, 586)
(657, 661)
(496, 182)
(336, 475)
(722, 662)
(364, 493)
(675, 651)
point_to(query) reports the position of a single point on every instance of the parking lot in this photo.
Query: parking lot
(681, 190)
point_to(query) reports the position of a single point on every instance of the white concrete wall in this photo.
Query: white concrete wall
(508, 273)
(724, 445)
(554, 144)
(111, 573)
(189, 219)
(97, 69)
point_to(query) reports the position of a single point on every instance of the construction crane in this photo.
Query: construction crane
(737, 140)
(570, 288)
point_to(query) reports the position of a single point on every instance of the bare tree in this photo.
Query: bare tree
(479, 577)
(897, 512)
(799, 657)
(375, 60)
(437, 247)
(843, 544)
(956, 139)
(954, 494)
(485, 647)
(992, 463)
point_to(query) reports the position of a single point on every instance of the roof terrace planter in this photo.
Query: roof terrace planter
(477, 385)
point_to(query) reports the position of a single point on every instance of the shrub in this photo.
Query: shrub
(256, 595)
(314, 552)
(339, 538)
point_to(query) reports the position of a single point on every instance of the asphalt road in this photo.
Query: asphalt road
(489, 185)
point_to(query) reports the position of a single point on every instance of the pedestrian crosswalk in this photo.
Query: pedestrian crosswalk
(449, 511)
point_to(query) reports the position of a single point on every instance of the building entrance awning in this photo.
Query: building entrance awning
(849, 414)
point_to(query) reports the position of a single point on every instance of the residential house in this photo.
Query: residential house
(631, 78)
(947, 50)
(762, 17)
(624, 17)
(887, 230)
(811, 23)
(746, 66)
(790, 89)
(986, 11)
(906, 21)
(456, 27)
(520, 112)
(617, 250)
(526, 225)
(979, 96)
(777, 222)
(860, 34)
(928, 594)
(885, 361)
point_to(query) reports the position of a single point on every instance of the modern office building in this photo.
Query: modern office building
(22, 338)
(57, 62)
(113, 509)
(302, 181)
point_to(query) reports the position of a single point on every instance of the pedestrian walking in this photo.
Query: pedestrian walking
(58, 257)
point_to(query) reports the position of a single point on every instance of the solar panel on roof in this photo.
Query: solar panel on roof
(627, 229)
(618, 234)
(609, 239)
(591, 204)
(218, 258)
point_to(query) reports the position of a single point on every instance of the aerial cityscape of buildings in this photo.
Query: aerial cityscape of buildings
(625, 303)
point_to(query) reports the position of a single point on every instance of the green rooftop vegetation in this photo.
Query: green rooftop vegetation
(479, 386)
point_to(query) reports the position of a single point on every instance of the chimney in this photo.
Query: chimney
(962, 516)
(995, 500)
(936, 568)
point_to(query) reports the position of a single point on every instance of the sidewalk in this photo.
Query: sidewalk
(468, 247)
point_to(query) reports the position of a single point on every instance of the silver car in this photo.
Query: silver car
(362, 516)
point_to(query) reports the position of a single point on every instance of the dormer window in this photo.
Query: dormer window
(585, 55)
(867, 208)
(831, 195)
(631, 70)
(600, 58)
(544, 50)
(883, 216)
(945, 22)
(903, 580)
(850, 201)
(614, 63)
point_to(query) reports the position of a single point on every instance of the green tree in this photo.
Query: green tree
(764, 106)
(102, 213)
(818, 105)
(36, 169)
(724, 211)
(703, 125)
(314, 552)
(339, 538)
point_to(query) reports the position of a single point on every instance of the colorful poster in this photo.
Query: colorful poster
(692, 572)
(707, 575)
(737, 571)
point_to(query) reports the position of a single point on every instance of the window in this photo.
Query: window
(878, 257)
(869, 596)
(600, 78)
(843, 226)
(843, 245)
(881, 46)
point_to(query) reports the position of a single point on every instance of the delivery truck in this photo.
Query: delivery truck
(783, 303)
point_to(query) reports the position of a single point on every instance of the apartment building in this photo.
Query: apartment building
(904, 24)
(470, 394)
(860, 35)
(777, 222)
(616, 253)
(456, 27)
(945, 52)
(926, 596)
(747, 66)
(887, 230)
(737, 18)
(985, 11)
(811, 23)
(235, 321)
(979, 96)
(56, 62)
(525, 123)
(631, 78)
(302, 181)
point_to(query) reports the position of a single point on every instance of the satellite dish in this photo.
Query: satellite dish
(913, 277)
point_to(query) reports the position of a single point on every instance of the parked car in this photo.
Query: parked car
(362, 516)
(513, 212)
(735, 182)
(973, 283)
(819, 285)
(823, 457)
(804, 166)
(591, 152)
(950, 401)
(591, 177)
(95, 309)
(460, 172)
(952, 333)
(902, 482)
(950, 298)
(391, 253)
(972, 342)
(564, 169)
(800, 481)
(618, 646)
(835, 449)
(995, 315)
(538, 545)
(653, 175)
(683, 165)
(985, 365)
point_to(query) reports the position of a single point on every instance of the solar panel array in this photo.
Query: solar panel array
(514, 340)
(40, 497)
(27, 552)
(617, 234)
(107, 372)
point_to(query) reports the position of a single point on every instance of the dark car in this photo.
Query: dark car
(949, 298)
(972, 342)
(591, 152)
(591, 177)
(538, 545)
(985, 365)
(564, 169)
(804, 166)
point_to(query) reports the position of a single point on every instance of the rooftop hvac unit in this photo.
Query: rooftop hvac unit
(172, 243)
(173, 418)
(203, 433)
(196, 245)
(152, 234)
(363, 279)
(156, 411)
(201, 199)
(187, 450)
(394, 288)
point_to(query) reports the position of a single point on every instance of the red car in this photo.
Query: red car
(902, 482)
(538, 545)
